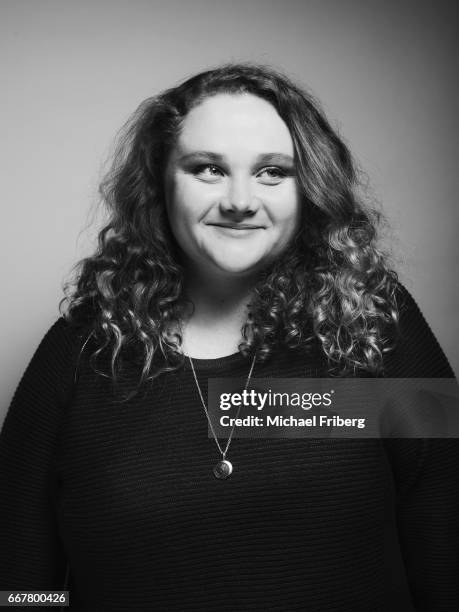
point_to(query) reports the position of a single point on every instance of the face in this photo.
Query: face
(232, 199)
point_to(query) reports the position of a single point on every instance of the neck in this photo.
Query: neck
(219, 298)
(213, 328)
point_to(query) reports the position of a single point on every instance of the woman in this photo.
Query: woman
(237, 246)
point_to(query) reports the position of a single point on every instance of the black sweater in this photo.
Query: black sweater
(124, 492)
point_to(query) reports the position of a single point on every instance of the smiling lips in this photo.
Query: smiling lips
(236, 226)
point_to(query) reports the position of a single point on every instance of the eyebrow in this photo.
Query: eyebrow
(263, 158)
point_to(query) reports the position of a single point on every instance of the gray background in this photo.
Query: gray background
(71, 74)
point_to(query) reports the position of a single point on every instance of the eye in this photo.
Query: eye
(272, 175)
(208, 172)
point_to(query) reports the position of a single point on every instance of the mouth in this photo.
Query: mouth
(237, 226)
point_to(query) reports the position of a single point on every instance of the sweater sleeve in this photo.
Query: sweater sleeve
(426, 474)
(32, 556)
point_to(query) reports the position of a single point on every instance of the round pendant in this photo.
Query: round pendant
(223, 469)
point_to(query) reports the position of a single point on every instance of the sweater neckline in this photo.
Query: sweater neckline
(216, 363)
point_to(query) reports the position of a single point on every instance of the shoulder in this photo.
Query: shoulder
(47, 382)
(52, 365)
(62, 331)
(416, 352)
(61, 341)
(406, 304)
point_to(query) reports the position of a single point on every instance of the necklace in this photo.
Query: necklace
(224, 468)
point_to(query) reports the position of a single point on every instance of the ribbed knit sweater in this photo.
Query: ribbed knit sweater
(124, 493)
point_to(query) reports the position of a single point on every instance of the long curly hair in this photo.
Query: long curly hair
(333, 285)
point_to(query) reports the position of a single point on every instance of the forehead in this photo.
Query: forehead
(235, 123)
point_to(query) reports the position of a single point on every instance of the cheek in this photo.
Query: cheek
(285, 209)
(188, 200)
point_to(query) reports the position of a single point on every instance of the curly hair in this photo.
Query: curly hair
(333, 284)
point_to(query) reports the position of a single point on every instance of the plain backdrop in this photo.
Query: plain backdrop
(72, 73)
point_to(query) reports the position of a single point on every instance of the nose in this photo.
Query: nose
(239, 199)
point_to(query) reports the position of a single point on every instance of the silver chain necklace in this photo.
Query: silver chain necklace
(223, 468)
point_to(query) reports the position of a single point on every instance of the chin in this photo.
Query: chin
(237, 269)
(243, 262)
